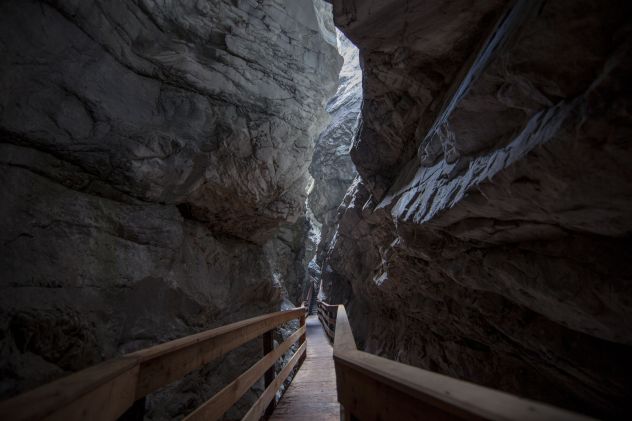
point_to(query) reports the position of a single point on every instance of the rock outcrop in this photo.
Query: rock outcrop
(154, 156)
(331, 167)
(487, 235)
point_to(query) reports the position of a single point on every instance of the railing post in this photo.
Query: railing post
(303, 337)
(268, 378)
(308, 301)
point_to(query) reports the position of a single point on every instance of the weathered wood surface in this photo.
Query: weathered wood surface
(331, 320)
(221, 402)
(327, 329)
(312, 394)
(107, 390)
(165, 363)
(259, 407)
(375, 388)
(344, 340)
(327, 316)
(327, 306)
(102, 392)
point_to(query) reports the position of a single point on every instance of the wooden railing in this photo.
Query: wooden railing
(116, 387)
(308, 299)
(327, 316)
(372, 388)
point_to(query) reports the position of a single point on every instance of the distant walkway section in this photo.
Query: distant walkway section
(312, 394)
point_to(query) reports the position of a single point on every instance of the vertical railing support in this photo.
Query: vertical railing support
(268, 346)
(303, 337)
(308, 300)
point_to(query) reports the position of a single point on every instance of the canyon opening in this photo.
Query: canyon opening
(317, 210)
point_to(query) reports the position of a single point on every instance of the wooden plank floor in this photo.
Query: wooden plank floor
(312, 394)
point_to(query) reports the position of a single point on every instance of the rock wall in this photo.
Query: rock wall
(331, 167)
(154, 163)
(487, 235)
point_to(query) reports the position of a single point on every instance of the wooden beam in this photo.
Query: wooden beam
(107, 390)
(328, 307)
(330, 320)
(165, 363)
(372, 387)
(303, 338)
(406, 392)
(328, 331)
(329, 324)
(215, 407)
(343, 339)
(301, 322)
(256, 411)
(102, 392)
(365, 398)
(268, 378)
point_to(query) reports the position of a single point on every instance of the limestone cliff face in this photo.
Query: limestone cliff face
(150, 152)
(331, 167)
(488, 233)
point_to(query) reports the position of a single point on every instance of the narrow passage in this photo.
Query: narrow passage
(312, 394)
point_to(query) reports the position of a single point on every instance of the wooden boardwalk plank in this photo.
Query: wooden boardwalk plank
(312, 394)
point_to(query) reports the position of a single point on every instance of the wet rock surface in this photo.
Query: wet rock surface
(153, 172)
(487, 236)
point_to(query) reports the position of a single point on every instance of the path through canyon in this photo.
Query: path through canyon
(312, 394)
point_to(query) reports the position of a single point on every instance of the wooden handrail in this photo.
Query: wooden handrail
(327, 317)
(107, 390)
(343, 340)
(308, 299)
(328, 307)
(224, 399)
(256, 411)
(371, 387)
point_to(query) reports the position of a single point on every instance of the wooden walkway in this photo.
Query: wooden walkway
(312, 394)
(371, 387)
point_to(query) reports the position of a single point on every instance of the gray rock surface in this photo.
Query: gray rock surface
(487, 236)
(331, 167)
(153, 171)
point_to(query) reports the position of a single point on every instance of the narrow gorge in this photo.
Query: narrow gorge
(455, 173)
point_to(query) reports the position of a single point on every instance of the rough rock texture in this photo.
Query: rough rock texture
(286, 254)
(331, 167)
(150, 151)
(488, 233)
